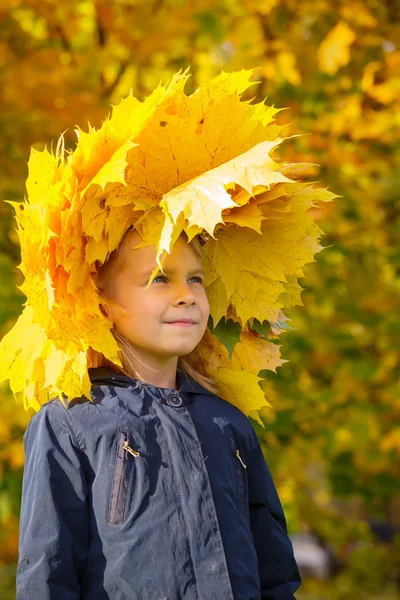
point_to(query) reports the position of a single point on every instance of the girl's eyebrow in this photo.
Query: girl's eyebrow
(192, 272)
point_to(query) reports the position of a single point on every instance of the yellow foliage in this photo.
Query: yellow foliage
(391, 441)
(172, 163)
(334, 50)
(287, 69)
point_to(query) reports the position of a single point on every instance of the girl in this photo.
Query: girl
(158, 488)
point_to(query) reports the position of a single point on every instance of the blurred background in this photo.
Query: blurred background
(332, 437)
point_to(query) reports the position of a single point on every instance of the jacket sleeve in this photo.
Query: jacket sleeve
(53, 540)
(279, 574)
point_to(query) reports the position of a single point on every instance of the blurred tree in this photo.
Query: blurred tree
(333, 437)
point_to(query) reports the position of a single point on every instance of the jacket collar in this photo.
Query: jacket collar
(105, 376)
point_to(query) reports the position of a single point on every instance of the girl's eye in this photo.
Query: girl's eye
(199, 279)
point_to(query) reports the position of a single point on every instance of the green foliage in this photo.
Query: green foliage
(228, 333)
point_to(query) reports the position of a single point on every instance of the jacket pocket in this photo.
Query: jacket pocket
(123, 469)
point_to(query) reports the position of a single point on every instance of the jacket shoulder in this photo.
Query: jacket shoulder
(51, 411)
(55, 418)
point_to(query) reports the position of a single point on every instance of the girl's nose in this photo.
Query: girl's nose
(183, 292)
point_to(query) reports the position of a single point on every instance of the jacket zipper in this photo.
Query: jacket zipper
(126, 447)
(239, 457)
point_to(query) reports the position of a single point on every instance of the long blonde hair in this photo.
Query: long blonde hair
(97, 359)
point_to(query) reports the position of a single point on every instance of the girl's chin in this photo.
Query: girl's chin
(180, 348)
(178, 340)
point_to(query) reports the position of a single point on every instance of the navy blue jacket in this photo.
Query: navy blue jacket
(149, 493)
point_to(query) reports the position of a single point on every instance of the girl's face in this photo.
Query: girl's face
(179, 294)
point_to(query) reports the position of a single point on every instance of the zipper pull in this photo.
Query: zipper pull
(239, 457)
(134, 453)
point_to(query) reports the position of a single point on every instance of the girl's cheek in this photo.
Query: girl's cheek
(206, 303)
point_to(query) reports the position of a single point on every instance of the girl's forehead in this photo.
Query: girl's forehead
(135, 258)
(139, 259)
(132, 239)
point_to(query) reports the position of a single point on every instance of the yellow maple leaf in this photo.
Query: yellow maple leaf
(254, 353)
(113, 169)
(217, 298)
(248, 216)
(242, 390)
(43, 174)
(202, 200)
(245, 269)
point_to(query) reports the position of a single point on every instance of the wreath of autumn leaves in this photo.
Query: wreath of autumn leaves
(198, 163)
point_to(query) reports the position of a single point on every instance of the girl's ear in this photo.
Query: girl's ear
(104, 310)
(113, 310)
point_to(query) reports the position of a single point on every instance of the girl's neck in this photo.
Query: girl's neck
(164, 376)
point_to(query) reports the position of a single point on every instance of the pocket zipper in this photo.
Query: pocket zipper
(239, 457)
(126, 447)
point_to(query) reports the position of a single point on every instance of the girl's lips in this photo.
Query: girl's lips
(181, 323)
